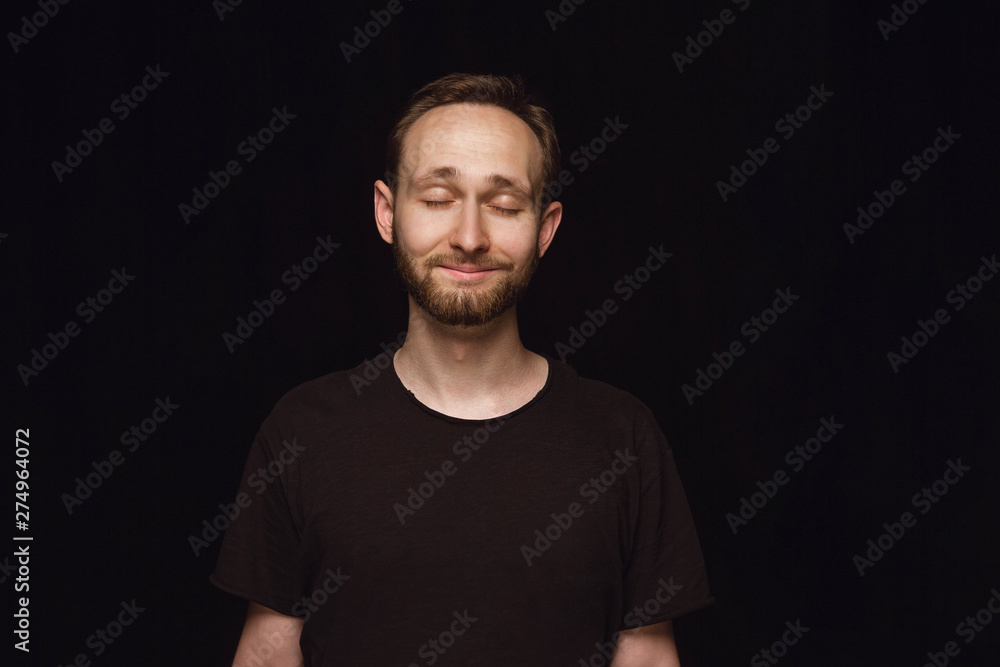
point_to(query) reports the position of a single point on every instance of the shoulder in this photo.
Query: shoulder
(601, 398)
(617, 418)
(324, 389)
(329, 396)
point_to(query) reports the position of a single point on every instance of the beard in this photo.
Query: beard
(463, 305)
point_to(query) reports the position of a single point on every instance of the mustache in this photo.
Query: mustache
(478, 261)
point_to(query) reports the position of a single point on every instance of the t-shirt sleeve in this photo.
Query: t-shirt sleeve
(260, 558)
(665, 575)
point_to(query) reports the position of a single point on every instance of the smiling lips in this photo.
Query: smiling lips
(466, 271)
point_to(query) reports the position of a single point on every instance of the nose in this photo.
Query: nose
(470, 235)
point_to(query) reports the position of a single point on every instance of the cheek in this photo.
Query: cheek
(418, 233)
(519, 241)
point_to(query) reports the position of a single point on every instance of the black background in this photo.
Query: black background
(656, 184)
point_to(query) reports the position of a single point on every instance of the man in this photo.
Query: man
(473, 503)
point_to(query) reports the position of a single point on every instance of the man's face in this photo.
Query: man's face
(465, 232)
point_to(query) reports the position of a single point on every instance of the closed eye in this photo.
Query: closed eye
(507, 211)
(436, 203)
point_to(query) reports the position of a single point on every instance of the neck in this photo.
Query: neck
(466, 369)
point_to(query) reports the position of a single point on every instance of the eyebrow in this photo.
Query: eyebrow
(448, 173)
(438, 174)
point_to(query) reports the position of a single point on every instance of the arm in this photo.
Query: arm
(648, 646)
(269, 639)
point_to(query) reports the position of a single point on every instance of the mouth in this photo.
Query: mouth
(466, 272)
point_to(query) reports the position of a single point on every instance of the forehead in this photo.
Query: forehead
(478, 139)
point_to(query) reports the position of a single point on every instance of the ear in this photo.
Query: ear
(384, 210)
(550, 223)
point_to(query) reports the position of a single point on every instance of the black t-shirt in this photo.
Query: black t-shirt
(408, 537)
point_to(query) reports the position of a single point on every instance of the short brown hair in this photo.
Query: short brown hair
(487, 89)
